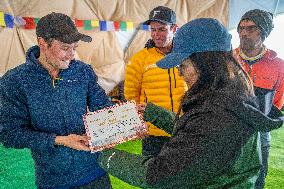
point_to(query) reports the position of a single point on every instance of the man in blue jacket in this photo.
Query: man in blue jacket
(42, 103)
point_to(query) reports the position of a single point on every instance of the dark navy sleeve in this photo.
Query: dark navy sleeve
(15, 121)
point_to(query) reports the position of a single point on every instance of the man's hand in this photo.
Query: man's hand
(77, 142)
(141, 107)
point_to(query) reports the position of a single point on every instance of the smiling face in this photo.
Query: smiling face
(162, 34)
(250, 36)
(56, 55)
(60, 54)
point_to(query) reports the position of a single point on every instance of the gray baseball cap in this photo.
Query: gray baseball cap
(60, 27)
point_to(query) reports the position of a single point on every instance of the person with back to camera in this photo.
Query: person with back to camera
(214, 141)
(42, 106)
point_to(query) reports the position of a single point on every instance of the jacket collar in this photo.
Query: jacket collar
(269, 55)
(32, 56)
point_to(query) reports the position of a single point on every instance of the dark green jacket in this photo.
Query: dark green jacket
(213, 145)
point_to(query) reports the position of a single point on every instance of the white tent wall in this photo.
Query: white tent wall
(109, 51)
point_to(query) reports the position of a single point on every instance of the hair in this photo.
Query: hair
(172, 26)
(216, 71)
(49, 41)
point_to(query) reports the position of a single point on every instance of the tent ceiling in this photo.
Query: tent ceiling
(238, 7)
(110, 51)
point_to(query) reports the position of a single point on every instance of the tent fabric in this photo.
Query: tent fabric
(238, 7)
(105, 53)
(109, 51)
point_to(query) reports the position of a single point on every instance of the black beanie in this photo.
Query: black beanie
(263, 19)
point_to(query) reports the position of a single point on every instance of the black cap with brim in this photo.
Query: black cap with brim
(60, 27)
(156, 20)
(74, 37)
(161, 14)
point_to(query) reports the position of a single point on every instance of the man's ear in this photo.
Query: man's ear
(42, 43)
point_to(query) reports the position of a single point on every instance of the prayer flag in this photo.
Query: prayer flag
(116, 25)
(9, 20)
(87, 25)
(30, 23)
(129, 25)
(103, 26)
(2, 21)
(36, 20)
(123, 26)
(145, 27)
(110, 26)
(79, 23)
(95, 23)
(19, 21)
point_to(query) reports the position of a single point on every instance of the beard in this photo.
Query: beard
(247, 44)
(61, 65)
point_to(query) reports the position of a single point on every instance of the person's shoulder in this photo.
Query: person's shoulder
(273, 56)
(138, 58)
(14, 73)
(141, 52)
(14, 78)
(78, 64)
(81, 68)
(271, 60)
(145, 52)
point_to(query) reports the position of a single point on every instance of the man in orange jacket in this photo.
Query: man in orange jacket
(265, 69)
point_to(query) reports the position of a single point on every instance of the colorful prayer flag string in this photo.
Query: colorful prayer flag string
(9, 21)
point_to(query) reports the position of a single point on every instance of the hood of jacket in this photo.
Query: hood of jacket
(245, 108)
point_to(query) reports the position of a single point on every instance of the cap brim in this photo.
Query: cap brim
(156, 20)
(171, 60)
(86, 38)
(75, 37)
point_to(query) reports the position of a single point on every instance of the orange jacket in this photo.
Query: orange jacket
(267, 73)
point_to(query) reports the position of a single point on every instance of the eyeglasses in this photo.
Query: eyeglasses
(249, 29)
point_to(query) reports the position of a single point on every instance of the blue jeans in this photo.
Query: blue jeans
(265, 146)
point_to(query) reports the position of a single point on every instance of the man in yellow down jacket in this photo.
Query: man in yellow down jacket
(145, 82)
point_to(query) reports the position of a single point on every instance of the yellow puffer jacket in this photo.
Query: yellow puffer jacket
(145, 82)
